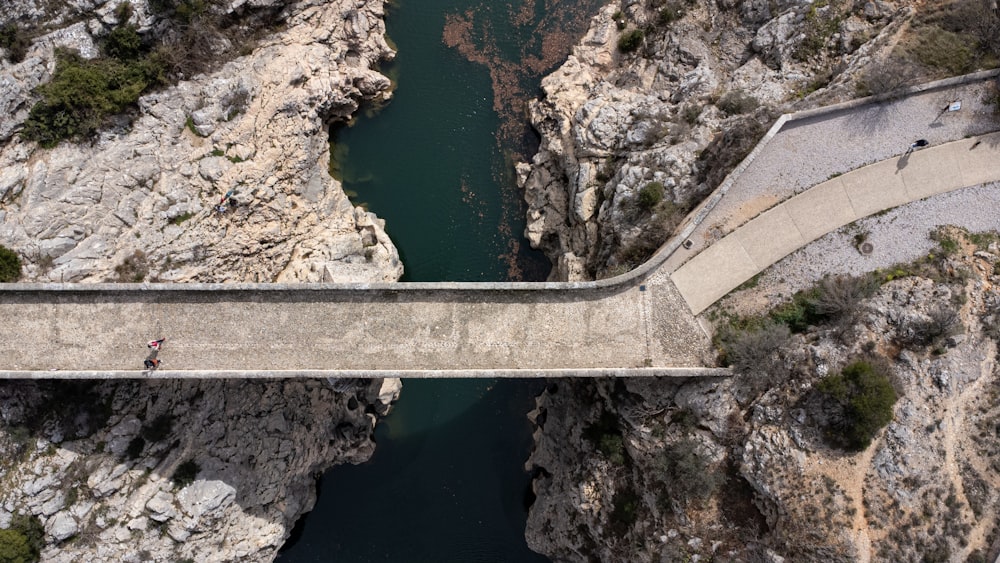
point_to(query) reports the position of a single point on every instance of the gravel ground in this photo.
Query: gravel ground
(807, 152)
(899, 235)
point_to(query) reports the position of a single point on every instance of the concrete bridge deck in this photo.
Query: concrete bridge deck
(488, 330)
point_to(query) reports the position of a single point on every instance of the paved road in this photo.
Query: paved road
(788, 226)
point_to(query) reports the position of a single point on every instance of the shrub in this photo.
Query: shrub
(605, 435)
(14, 547)
(650, 195)
(185, 474)
(886, 77)
(123, 43)
(158, 429)
(818, 29)
(864, 396)
(687, 473)
(14, 41)
(133, 269)
(631, 41)
(737, 102)
(839, 296)
(727, 150)
(754, 348)
(669, 14)
(625, 511)
(83, 93)
(135, 447)
(31, 528)
(940, 323)
(10, 265)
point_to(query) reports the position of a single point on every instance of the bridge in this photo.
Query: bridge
(642, 323)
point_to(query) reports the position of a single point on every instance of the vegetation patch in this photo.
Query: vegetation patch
(606, 437)
(650, 195)
(630, 41)
(15, 41)
(83, 94)
(822, 21)
(862, 397)
(133, 269)
(625, 511)
(10, 265)
(185, 474)
(951, 38)
(737, 102)
(23, 541)
(687, 473)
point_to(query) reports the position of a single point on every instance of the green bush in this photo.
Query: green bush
(14, 41)
(650, 195)
(737, 102)
(23, 541)
(123, 43)
(83, 93)
(185, 473)
(10, 265)
(865, 397)
(631, 41)
(14, 548)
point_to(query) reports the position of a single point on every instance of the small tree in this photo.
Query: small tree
(650, 195)
(631, 41)
(865, 398)
(10, 265)
(186, 473)
(688, 475)
(14, 548)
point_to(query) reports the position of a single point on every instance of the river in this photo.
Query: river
(446, 482)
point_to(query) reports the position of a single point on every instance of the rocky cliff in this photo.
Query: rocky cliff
(655, 106)
(756, 468)
(176, 470)
(221, 176)
(665, 98)
(250, 134)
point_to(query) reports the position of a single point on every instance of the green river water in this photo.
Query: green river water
(447, 482)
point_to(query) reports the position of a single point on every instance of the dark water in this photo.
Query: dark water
(446, 482)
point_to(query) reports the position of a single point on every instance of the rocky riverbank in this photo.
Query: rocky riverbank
(222, 176)
(139, 200)
(177, 470)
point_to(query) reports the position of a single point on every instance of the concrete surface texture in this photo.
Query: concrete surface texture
(336, 332)
(782, 229)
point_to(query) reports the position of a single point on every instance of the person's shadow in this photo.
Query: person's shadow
(903, 161)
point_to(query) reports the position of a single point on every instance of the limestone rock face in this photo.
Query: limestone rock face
(613, 482)
(117, 486)
(251, 136)
(612, 123)
(190, 470)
